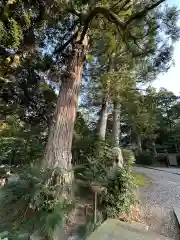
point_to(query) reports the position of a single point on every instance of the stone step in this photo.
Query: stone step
(138, 225)
(113, 229)
(177, 213)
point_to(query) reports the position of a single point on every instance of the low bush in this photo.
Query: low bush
(161, 158)
(144, 158)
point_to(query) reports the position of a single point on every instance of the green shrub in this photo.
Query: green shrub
(119, 185)
(94, 157)
(89, 147)
(145, 158)
(119, 195)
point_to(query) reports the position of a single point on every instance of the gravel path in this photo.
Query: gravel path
(159, 198)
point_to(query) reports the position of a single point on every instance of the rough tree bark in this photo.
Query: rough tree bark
(58, 148)
(102, 123)
(116, 124)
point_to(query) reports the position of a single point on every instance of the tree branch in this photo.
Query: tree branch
(60, 49)
(114, 17)
(106, 13)
(72, 10)
(6, 80)
(123, 6)
(145, 35)
(113, 6)
(142, 13)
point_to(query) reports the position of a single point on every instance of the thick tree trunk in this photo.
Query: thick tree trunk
(102, 123)
(116, 124)
(58, 148)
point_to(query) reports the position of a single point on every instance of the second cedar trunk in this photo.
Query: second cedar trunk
(102, 123)
(116, 124)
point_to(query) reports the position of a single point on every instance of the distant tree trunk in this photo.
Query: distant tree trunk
(116, 124)
(58, 148)
(154, 149)
(139, 144)
(102, 123)
(103, 115)
(116, 135)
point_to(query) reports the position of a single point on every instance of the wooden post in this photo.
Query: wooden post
(95, 189)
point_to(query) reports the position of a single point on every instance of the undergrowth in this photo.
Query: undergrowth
(30, 205)
(117, 185)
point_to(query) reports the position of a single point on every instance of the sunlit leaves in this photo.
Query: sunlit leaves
(27, 17)
(124, 14)
(11, 1)
(12, 62)
(15, 33)
(90, 58)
